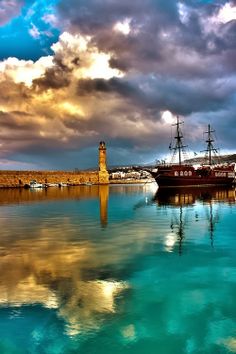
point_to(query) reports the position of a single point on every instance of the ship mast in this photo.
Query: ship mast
(179, 147)
(210, 148)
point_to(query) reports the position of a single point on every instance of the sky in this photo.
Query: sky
(75, 72)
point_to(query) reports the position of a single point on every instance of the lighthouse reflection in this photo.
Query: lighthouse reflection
(103, 200)
(98, 193)
(190, 206)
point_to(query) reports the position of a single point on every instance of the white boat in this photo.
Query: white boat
(34, 184)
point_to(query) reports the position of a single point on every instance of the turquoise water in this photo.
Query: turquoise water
(117, 269)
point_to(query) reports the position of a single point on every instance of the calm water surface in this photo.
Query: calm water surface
(117, 269)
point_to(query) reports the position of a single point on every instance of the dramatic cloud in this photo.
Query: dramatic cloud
(114, 72)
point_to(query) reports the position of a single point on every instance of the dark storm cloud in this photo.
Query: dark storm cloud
(54, 78)
(148, 19)
(114, 85)
(58, 76)
(186, 97)
(157, 32)
(228, 32)
(168, 40)
(92, 16)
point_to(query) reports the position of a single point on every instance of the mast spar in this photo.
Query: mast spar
(210, 147)
(179, 147)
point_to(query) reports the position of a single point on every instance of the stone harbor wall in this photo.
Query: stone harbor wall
(14, 179)
(11, 179)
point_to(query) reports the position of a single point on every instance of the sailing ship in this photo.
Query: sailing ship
(182, 174)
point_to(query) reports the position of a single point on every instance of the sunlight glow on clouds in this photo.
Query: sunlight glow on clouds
(168, 117)
(24, 70)
(227, 13)
(71, 108)
(100, 67)
(123, 27)
(71, 42)
(91, 62)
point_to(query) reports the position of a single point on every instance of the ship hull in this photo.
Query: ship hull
(188, 176)
(192, 182)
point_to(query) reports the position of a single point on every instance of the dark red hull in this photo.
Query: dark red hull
(188, 176)
(192, 182)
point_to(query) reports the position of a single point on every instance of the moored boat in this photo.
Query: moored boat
(35, 184)
(181, 174)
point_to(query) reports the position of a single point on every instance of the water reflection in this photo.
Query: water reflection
(117, 265)
(51, 253)
(181, 199)
(52, 273)
(44, 266)
(103, 200)
(20, 196)
(53, 256)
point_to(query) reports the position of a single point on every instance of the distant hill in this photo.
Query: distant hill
(221, 159)
(194, 161)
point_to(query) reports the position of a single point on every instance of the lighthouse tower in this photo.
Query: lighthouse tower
(102, 173)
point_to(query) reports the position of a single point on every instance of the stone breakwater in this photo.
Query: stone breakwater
(17, 179)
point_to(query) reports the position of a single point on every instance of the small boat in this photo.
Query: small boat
(181, 174)
(34, 184)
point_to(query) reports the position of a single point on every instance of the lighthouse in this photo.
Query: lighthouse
(103, 173)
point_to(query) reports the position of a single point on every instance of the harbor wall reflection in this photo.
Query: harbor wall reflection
(20, 196)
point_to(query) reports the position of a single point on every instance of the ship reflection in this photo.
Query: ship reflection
(188, 196)
(181, 200)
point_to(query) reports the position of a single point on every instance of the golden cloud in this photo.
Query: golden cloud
(40, 99)
(58, 100)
